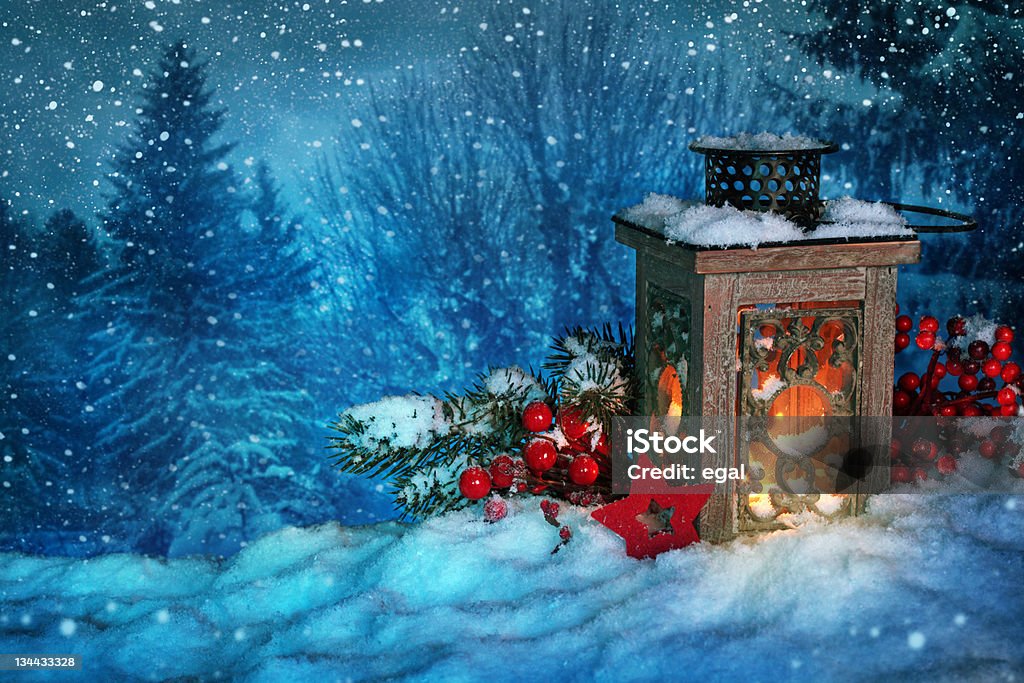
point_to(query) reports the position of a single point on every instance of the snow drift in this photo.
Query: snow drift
(924, 587)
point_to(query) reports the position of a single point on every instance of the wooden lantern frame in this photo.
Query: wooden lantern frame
(692, 300)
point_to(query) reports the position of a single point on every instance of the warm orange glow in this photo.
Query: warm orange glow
(670, 393)
(800, 401)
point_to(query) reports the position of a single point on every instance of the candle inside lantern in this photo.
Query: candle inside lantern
(670, 393)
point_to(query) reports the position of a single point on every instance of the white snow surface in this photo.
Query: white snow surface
(587, 367)
(761, 141)
(726, 226)
(397, 422)
(514, 380)
(922, 588)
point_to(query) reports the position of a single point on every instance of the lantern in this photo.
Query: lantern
(789, 335)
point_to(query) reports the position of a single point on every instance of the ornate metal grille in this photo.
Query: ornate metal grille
(799, 365)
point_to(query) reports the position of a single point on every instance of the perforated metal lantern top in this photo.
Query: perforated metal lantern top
(785, 181)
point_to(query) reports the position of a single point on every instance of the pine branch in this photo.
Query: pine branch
(595, 371)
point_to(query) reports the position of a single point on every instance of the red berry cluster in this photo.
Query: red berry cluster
(579, 462)
(928, 456)
(504, 473)
(977, 373)
(578, 469)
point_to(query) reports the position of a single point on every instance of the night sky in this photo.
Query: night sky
(284, 71)
(72, 71)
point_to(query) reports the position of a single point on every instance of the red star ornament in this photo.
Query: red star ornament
(652, 523)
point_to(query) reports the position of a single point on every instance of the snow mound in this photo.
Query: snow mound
(770, 142)
(894, 594)
(726, 226)
(848, 217)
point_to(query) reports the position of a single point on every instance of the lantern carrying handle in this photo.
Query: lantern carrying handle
(965, 223)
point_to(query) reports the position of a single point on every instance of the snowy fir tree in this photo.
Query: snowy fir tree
(948, 101)
(198, 423)
(70, 253)
(28, 470)
(45, 440)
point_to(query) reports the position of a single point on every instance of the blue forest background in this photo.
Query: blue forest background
(224, 222)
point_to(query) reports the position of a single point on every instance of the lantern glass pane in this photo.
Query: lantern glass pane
(668, 352)
(798, 365)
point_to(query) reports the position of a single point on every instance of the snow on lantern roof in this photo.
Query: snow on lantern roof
(705, 226)
(764, 142)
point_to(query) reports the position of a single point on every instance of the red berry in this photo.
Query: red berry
(602, 446)
(971, 367)
(1002, 350)
(573, 425)
(495, 509)
(909, 382)
(987, 449)
(1011, 372)
(925, 340)
(947, 411)
(902, 341)
(537, 417)
(977, 349)
(968, 382)
(946, 464)
(971, 410)
(1006, 396)
(901, 400)
(954, 367)
(928, 324)
(900, 474)
(1004, 333)
(992, 367)
(904, 324)
(1008, 411)
(502, 472)
(475, 483)
(565, 533)
(956, 326)
(540, 455)
(925, 449)
(920, 474)
(940, 370)
(583, 470)
(986, 384)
